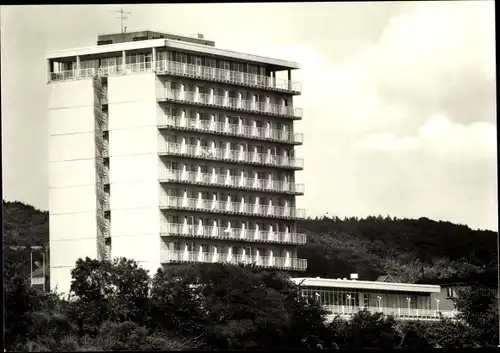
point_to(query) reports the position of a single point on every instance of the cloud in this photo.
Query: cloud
(407, 126)
(438, 57)
(438, 137)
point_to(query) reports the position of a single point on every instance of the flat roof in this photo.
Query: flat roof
(369, 285)
(157, 43)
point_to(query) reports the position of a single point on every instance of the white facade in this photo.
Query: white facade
(72, 184)
(168, 152)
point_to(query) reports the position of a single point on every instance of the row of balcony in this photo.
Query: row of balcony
(228, 155)
(187, 70)
(227, 76)
(250, 235)
(168, 256)
(228, 207)
(226, 102)
(347, 311)
(230, 181)
(215, 127)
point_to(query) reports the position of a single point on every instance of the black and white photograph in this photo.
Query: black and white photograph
(241, 176)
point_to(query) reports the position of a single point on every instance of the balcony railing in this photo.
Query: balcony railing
(72, 74)
(227, 155)
(222, 75)
(230, 181)
(347, 311)
(229, 207)
(188, 70)
(232, 103)
(261, 261)
(250, 235)
(214, 127)
(113, 70)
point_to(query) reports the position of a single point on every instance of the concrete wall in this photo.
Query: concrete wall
(134, 169)
(72, 199)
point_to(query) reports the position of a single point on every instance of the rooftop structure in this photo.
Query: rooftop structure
(170, 150)
(114, 38)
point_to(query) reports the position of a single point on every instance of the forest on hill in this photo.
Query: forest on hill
(413, 249)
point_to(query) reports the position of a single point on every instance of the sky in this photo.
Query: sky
(399, 97)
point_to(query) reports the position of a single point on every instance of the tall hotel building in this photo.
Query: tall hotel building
(165, 149)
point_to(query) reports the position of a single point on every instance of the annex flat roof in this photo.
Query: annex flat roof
(369, 285)
(158, 43)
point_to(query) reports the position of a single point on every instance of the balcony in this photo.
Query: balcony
(106, 71)
(228, 207)
(237, 104)
(185, 70)
(227, 76)
(69, 75)
(233, 182)
(168, 256)
(347, 311)
(231, 156)
(241, 234)
(246, 131)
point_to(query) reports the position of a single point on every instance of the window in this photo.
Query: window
(161, 55)
(104, 42)
(450, 292)
(181, 57)
(210, 62)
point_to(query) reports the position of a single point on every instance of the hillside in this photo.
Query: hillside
(25, 232)
(413, 249)
(410, 248)
(24, 225)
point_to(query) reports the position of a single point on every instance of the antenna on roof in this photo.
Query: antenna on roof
(123, 16)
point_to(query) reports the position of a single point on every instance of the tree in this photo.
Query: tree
(176, 304)
(20, 303)
(236, 307)
(115, 291)
(367, 330)
(415, 334)
(477, 307)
